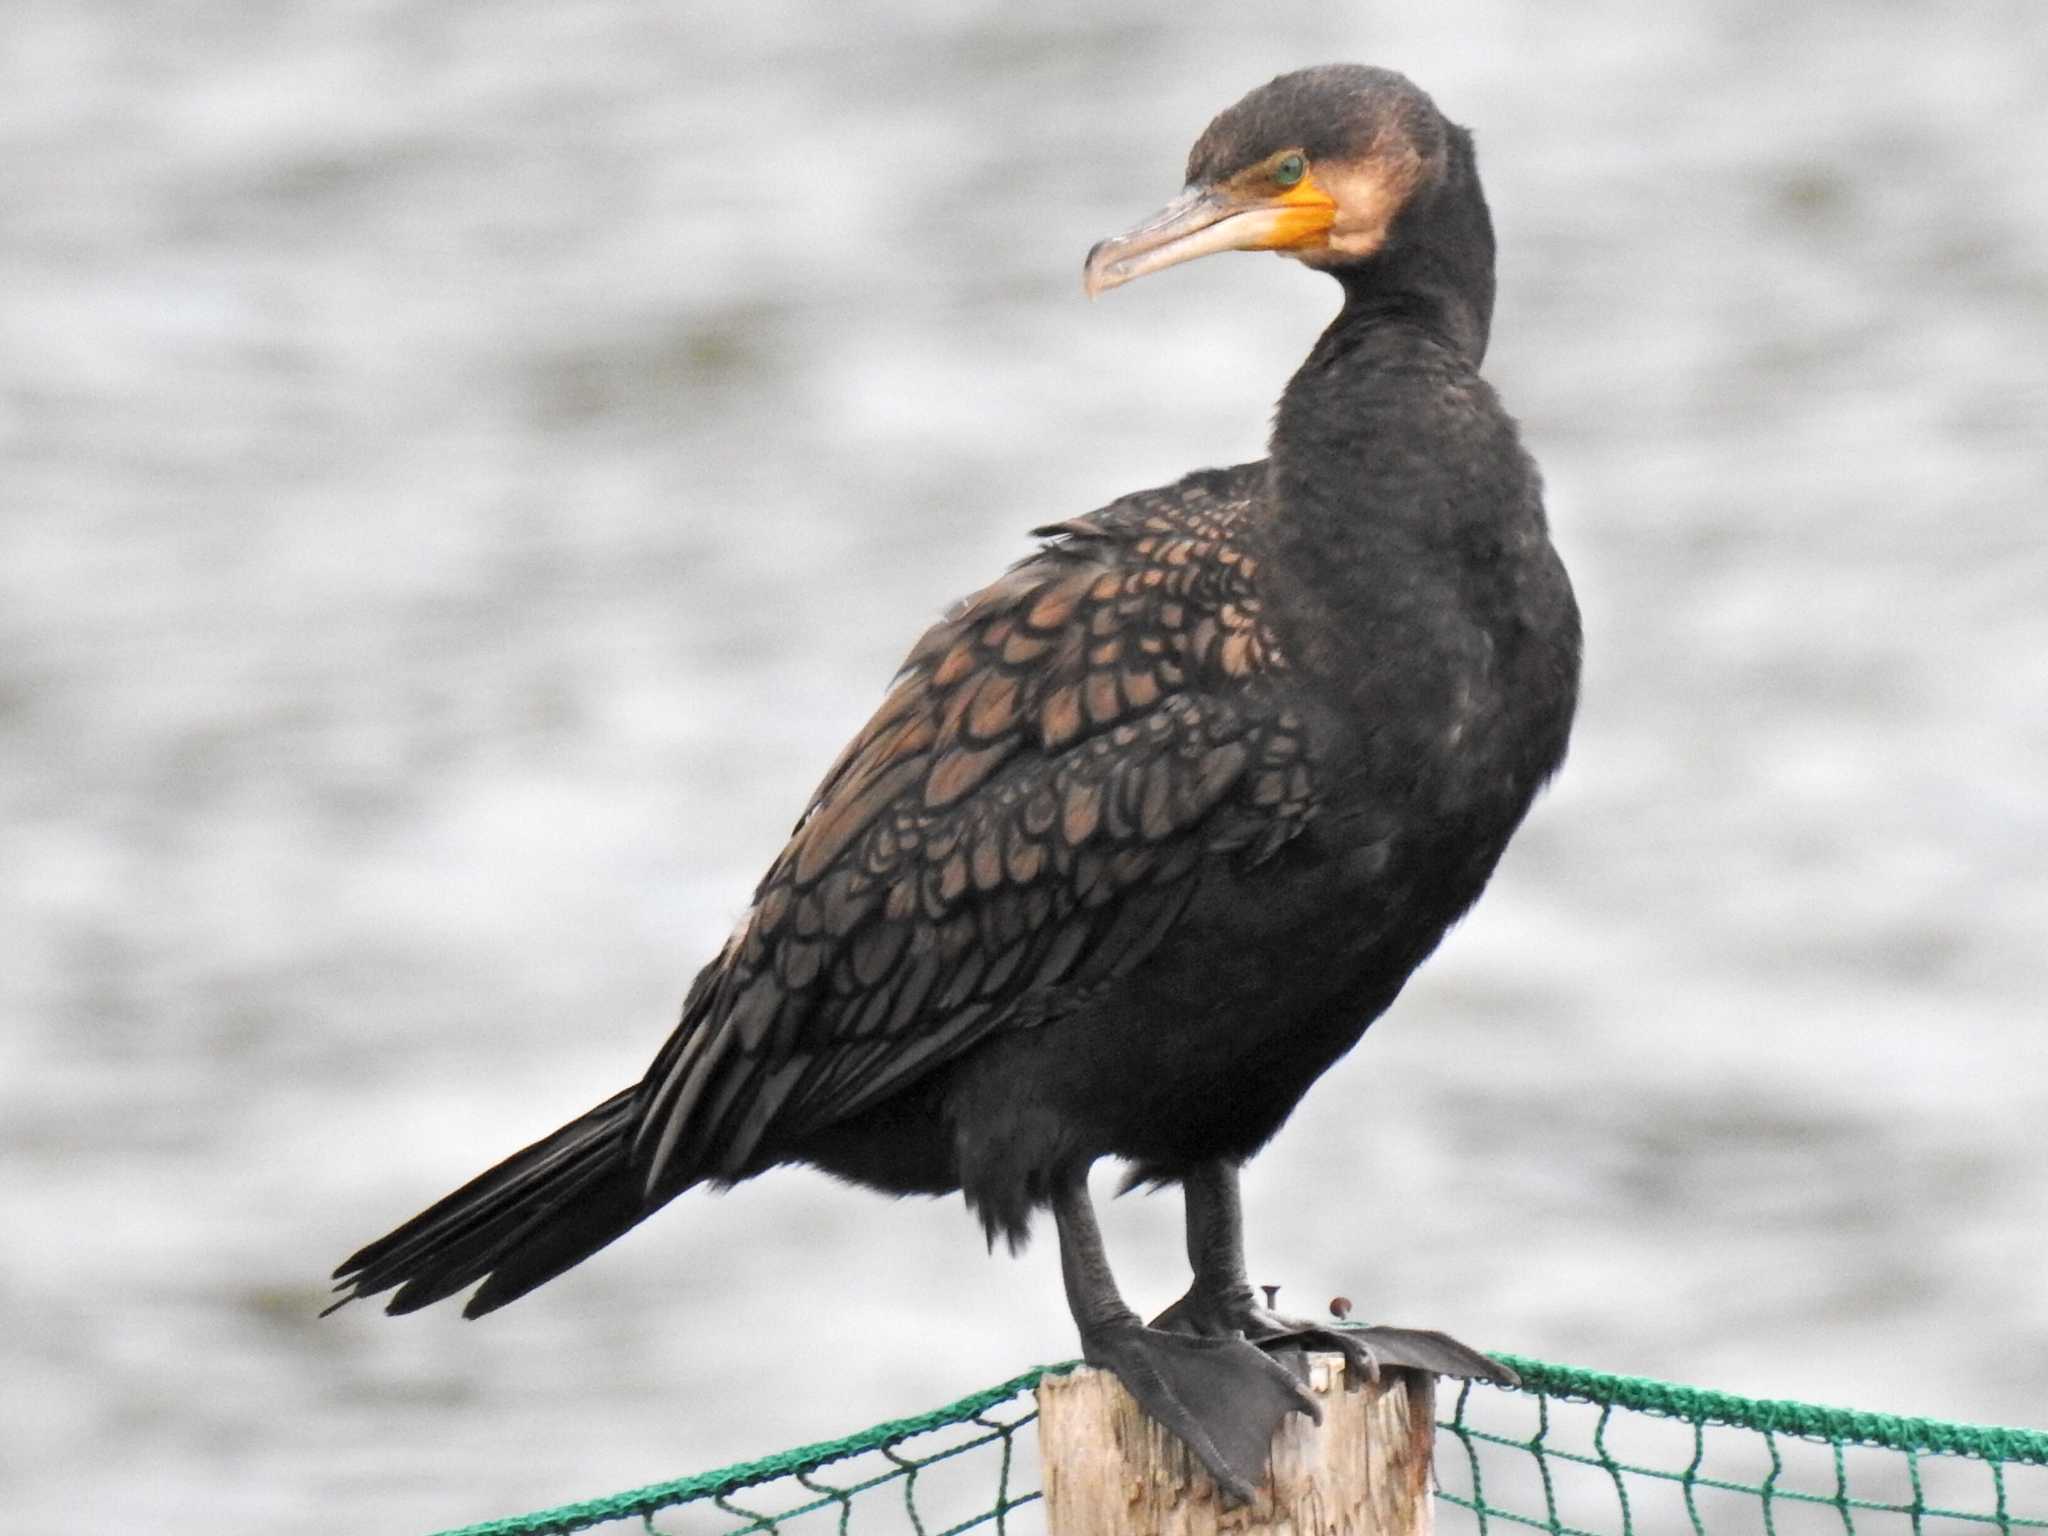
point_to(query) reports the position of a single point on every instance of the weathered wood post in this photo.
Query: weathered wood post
(1365, 1471)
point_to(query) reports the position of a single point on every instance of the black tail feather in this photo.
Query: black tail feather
(517, 1226)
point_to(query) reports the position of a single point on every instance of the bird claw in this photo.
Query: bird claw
(1362, 1362)
(1427, 1349)
(1366, 1351)
(1223, 1398)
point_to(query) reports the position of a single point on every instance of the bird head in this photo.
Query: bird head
(1319, 165)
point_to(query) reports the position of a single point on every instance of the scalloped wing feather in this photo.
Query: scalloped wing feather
(1023, 819)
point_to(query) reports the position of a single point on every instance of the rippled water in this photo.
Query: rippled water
(464, 469)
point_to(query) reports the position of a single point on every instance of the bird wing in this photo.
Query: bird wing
(1022, 820)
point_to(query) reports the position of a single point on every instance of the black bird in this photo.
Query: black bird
(1150, 829)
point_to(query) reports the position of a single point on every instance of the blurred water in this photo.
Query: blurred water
(466, 468)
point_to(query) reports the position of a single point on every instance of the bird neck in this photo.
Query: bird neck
(1435, 272)
(1389, 378)
(1415, 320)
(1380, 430)
(1386, 432)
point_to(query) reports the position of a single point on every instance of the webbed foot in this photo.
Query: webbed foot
(1366, 1351)
(1222, 1397)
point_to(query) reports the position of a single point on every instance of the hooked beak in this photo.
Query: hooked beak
(1204, 220)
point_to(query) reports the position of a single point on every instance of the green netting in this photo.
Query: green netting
(1571, 1453)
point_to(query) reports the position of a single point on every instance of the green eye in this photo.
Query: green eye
(1289, 169)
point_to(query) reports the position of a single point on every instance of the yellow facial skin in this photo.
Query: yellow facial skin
(1247, 213)
(1344, 212)
(1303, 215)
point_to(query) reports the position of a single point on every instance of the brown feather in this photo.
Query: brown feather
(958, 771)
(1060, 719)
(995, 707)
(825, 837)
(1083, 811)
(1056, 605)
(1103, 704)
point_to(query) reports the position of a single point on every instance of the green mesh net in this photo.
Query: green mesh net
(1572, 1453)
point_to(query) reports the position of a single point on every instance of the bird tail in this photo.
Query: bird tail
(537, 1213)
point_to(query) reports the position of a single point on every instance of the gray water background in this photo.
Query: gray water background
(465, 468)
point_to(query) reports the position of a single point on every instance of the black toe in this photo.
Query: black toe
(1425, 1349)
(1366, 1351)
(1222, 1398)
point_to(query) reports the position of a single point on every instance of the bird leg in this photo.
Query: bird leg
(1220, 1303)
(1219, 1396)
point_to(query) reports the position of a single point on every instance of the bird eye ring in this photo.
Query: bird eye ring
(1289, 169)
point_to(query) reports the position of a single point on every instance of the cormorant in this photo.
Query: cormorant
(1150, 829)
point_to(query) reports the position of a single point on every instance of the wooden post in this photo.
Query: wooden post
(1365, 1471)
